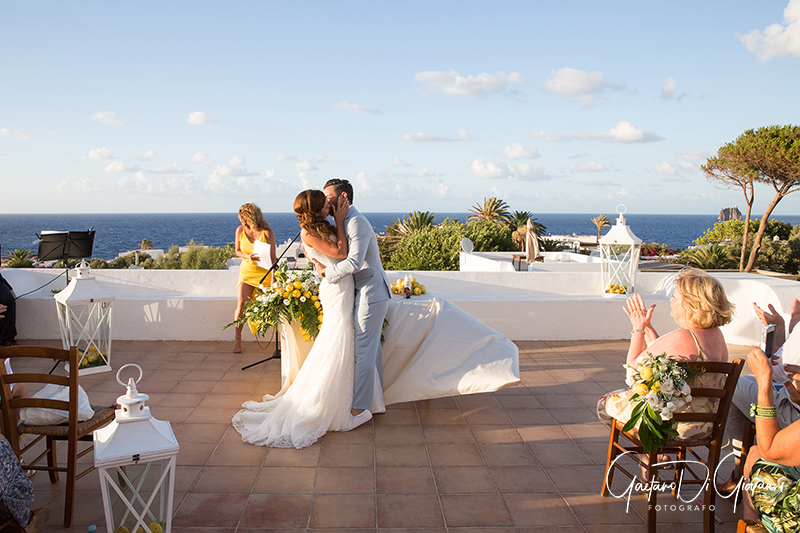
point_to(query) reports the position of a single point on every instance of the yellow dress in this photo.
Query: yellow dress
(616, 404)
(249, 272)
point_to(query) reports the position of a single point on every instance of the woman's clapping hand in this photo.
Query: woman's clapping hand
(639, 314)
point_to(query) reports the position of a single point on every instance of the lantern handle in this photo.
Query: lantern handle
(623, 211)
(126, 366)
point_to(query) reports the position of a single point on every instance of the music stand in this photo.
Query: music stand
(277, 353)
(64, 245)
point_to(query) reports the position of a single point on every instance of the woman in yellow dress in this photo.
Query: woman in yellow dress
(254, 228)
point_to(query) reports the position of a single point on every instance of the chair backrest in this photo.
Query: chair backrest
(6, 380)
(731, 371)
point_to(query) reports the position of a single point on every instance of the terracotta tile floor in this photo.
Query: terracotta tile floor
(529, 458)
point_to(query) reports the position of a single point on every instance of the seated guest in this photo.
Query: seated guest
(773, 465)
(8, 312)
(699, 306)
(786, 395)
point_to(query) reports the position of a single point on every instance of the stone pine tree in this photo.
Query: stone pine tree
(772, 156)
(727, 170)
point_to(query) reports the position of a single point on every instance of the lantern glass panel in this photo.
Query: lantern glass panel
(139, 496)
(87, 326)
(619, 265)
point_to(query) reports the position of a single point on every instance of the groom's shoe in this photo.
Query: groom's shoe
(357, 420)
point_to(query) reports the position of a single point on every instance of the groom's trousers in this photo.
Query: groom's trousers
(368, 325)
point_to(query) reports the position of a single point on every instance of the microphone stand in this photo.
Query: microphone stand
(277, 353)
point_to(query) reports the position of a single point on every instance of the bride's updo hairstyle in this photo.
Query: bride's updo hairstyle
(308, 206)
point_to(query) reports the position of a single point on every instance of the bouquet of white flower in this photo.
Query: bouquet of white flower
(293, 295)
(661, 386)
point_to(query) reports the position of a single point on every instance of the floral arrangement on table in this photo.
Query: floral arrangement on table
(293, 295)
(416, 288)
(661, 386)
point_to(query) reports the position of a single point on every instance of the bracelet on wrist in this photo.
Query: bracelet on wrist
(637, 331)
(761, 411)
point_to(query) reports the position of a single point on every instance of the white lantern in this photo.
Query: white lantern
(147, 448)
(84, 314)
(619, 257)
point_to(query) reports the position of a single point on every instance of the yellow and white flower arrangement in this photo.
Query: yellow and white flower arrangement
(293, 295)
(661, 386)
(416, 288)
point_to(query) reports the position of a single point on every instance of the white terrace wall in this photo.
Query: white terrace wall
(543, 304)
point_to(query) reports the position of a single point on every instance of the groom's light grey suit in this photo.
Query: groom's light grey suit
(371, 301)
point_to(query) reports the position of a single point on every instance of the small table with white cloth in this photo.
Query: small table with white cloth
(432, 349)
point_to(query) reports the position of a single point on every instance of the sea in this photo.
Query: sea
(119, 233)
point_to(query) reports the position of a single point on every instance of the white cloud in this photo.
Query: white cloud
(305, 166)
(598, 183)
(79, 186)
(675, 178)
(623, 132)
(397, 162)
(269, 174)
(353, 108)
(285, 157)
(589, 166)
(236, 161)
(21, 135)
(461, 135)
(198, 118)
(424, 173)
(573, 84)
(776, 40)
(5, 158)
(482, 169)
(363, 183)
(147, 156)
(172, 168)
(321, 159)
(622, 193)
(227, 171)
(517, 151)
(669, 88)
(118, 166)
(454, 84)
(580, 155)
(100, 154)
(107, 117)
(665, 168)
(203, 159)
(305, 182)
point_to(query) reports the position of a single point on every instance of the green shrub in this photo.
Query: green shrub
(777, 256)
(729, 229)
(437, 248)
(708, 257)
(197, 257)
(126, 261)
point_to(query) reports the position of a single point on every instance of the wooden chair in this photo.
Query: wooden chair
(72, 432)
(748, 526)
(679, 447)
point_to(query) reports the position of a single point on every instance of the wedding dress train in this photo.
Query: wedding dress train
(320, 398)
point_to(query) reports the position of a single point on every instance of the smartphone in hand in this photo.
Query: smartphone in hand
(768, 340)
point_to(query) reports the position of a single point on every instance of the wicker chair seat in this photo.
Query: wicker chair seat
(102, 415)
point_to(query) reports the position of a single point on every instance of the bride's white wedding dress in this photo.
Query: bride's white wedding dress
(320, 398)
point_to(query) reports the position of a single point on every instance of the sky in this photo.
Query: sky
(553, 107)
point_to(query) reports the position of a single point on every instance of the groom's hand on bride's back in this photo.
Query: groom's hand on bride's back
(320, 267)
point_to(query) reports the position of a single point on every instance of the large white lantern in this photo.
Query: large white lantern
(84, 314)
(619, 257)
(140, 496)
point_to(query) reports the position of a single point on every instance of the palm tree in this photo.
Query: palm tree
(520, 218)
(147, 244)
(416, 220)
(522, 230)
(492, 210)
(20, 258)
(709, 257)
(601, 221)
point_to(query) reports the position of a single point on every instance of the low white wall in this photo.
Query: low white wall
(566, 305)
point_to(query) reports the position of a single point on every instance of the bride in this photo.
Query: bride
(320, 398)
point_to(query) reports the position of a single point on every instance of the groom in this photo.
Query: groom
(371, 300)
